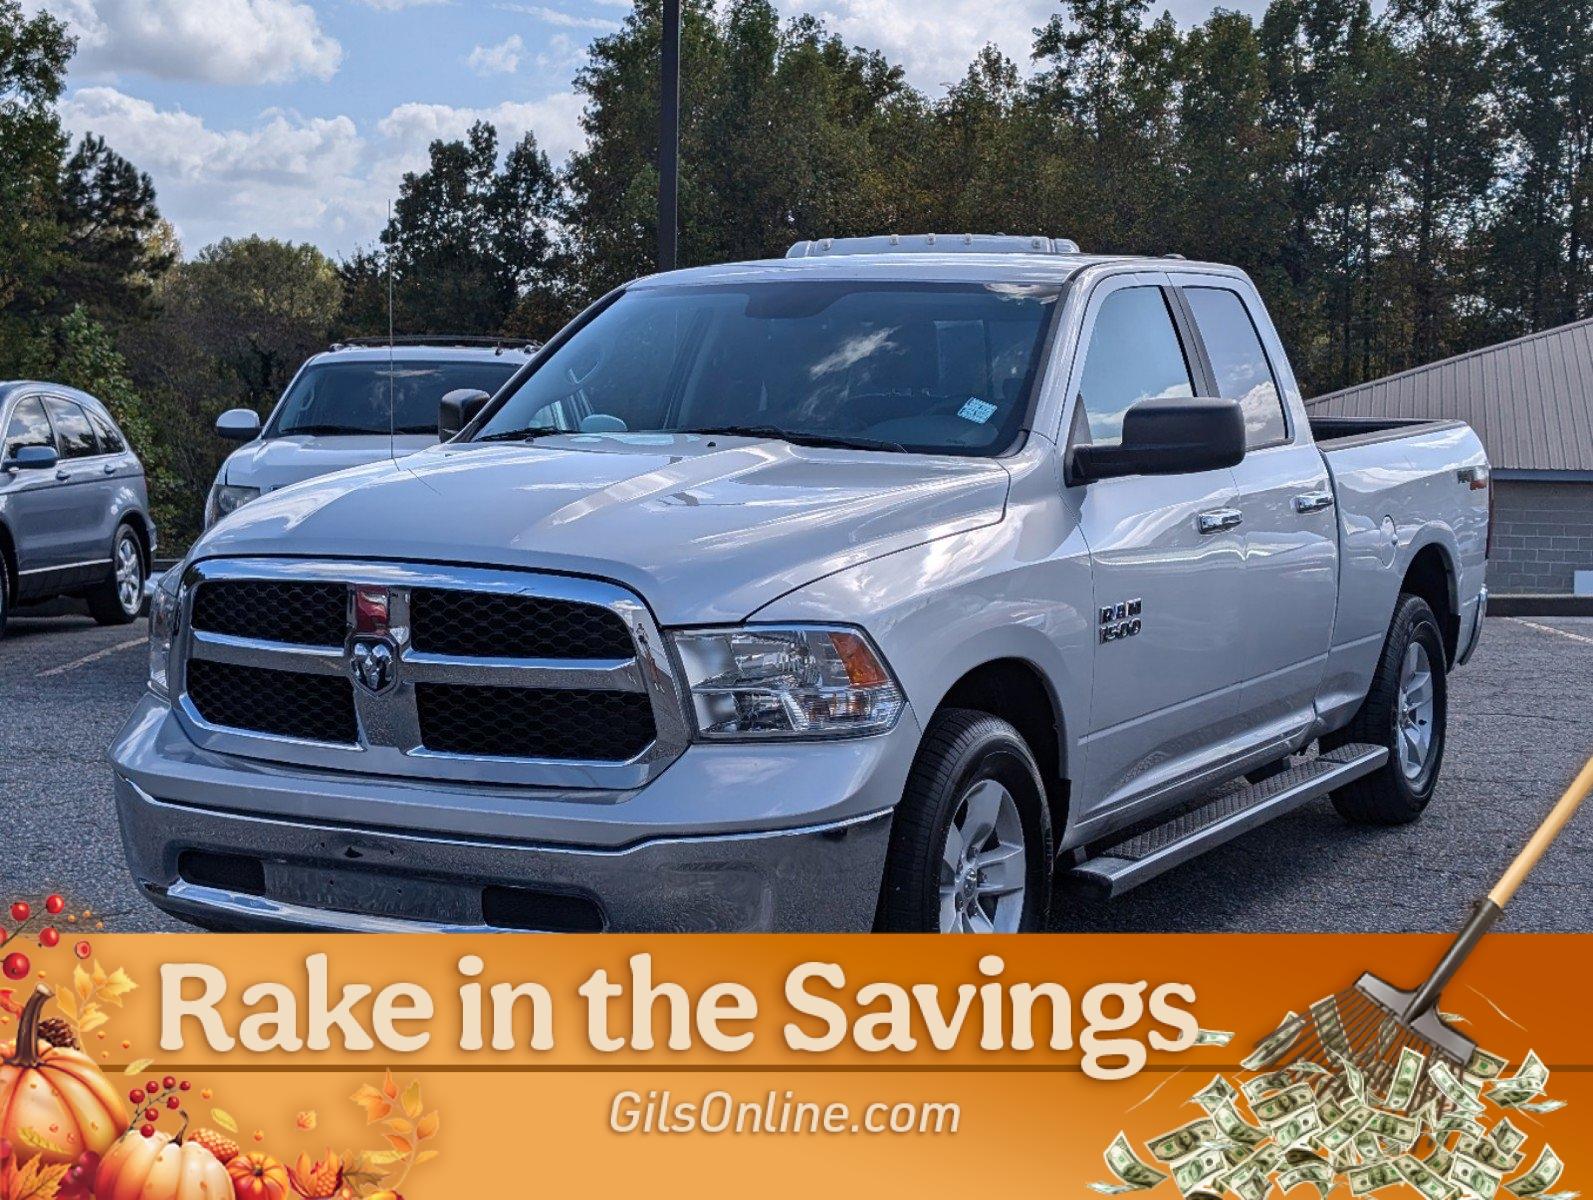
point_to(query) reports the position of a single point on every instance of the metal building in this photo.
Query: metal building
(1531, 402)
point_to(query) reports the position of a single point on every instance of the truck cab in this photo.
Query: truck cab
(901, 583)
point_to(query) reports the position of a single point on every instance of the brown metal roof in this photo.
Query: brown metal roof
(1530, 400)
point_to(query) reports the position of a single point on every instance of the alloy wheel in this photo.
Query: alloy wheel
(129, 574)
(1413, 720)
(984, 865)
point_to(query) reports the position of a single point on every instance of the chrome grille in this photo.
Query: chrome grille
(486, 624)
(319, 708)
(304, 613)
(486, 676)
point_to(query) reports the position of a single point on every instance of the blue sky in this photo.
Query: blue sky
(297, 118)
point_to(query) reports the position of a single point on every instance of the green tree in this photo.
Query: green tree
(468, 237)
(34, 52)
(114, 244)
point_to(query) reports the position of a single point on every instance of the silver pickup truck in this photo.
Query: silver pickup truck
(895, 584)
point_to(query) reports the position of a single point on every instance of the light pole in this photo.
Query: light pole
(669, 140)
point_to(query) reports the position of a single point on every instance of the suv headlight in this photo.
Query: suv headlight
(226, 498)
(163, 608)
(786, 682)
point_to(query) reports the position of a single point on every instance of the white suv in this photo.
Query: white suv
(359, 402)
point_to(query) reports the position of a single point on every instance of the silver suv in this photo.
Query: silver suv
(74, 510)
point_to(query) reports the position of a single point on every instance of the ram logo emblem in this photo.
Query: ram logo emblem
(1120, 620)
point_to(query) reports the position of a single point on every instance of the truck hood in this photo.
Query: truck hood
(703, 528)
(275, 463)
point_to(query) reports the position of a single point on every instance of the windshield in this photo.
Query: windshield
(333, 398)
(938, 368)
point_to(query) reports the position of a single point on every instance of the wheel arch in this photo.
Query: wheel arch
(8, 560)
(144, 528)
(1431, 575)
(1018, 692)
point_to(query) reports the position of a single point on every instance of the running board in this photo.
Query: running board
(1130, 862)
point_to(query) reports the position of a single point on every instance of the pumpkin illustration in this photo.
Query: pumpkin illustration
(161, 1167)
(258, 1176)
(56, 1094)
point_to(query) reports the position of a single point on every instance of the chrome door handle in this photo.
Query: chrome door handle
(1310, 502)
(62, 476)
(1217, 519)
(109, 468)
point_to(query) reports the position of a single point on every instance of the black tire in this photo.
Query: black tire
(961, 749)
(107, 601)
(5, 594)
(1391, 795)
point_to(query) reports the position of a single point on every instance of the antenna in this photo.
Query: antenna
(392, 413)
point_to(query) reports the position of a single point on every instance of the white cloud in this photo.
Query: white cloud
(935, 41)
(556, 120)
(285, 175)
(564, 20)
(503, 58)
(218, 41)
(397, 5)
(321, 179)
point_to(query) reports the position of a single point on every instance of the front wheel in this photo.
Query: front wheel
(120, 598)
(970, 847)
(1407, 710)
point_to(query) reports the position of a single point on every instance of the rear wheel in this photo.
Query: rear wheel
(5, 594)
(120, 598)
(971, 841)
(1406, 711)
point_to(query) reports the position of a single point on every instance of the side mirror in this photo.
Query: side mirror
(32, 458)
(1167, 437)
(239, 425)
(457, 409)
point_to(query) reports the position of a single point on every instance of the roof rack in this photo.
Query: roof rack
(435, 339)
(934, 243)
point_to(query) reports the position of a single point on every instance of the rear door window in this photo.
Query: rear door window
(1239, 362)
(111, 439)
(74, 436)
(28, 427)
(1134, 354)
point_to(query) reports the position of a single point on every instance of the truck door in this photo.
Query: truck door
(1167, 560)
(1286, 498)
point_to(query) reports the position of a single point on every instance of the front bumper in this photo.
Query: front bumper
(731, 837)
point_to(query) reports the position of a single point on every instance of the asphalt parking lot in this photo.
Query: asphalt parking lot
(1521, 723)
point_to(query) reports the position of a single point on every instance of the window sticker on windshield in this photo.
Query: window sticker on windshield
(976, 410)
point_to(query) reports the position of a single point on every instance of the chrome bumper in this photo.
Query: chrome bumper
(757, 837)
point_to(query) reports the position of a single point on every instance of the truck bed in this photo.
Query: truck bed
(1339, 433)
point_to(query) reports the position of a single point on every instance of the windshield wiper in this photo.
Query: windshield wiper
(523, 435)
(327, 431)
(837, 441)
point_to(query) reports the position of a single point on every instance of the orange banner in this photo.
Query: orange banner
(871, 1069)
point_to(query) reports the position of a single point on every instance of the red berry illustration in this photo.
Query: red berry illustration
(169, 1082)
(54, 904)
(152, 1114)
(147, 1130)
(82, 950)
(48, 937)
(184, 1086)
(136, 1095)
(152, 1086)
(17, 965)
(21, 911)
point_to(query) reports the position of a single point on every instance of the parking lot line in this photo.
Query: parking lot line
(93, 658)
(1565, 633)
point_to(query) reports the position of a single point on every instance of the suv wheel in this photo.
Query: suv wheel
(1406, 710)
(5, 594)
(970, 844)
(120, 598)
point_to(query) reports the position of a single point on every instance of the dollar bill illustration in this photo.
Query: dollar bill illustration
(1213, 1037)
(1276, 1044)
(1543, 1175)
(1272, 1110)
(1215, 1094)
(1423, 1178)
(1369, 1177)
(1183, 1141)
(1483, 1065)
(1453, 1090)
(1473, 1177)
(1201, 1168)
(1407, 1074)
(1329, 1026)
(1122, 1162)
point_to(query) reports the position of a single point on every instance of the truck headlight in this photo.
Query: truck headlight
(226, 498)
(163, 606)
(786, 682)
